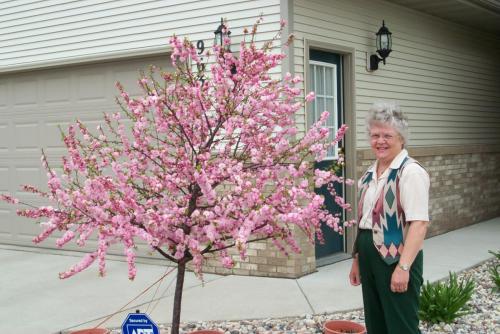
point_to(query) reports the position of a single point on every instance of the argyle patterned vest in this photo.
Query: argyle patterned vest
(389, 224)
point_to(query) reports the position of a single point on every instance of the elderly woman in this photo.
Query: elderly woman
(392, 222)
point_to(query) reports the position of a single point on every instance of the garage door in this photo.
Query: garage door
(32, 106)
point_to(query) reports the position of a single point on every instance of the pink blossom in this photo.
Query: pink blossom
(227, 262)
(9, 199)
(101, 255)
(67, 237)
(48, 229)
(86, 261)
(349, 182)
(310, 97)
(132, 271)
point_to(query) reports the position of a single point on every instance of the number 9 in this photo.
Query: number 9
(200, 45)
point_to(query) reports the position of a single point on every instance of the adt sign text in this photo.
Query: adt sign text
(139, 323)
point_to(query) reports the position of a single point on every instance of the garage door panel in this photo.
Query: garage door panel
(4, 179)
(27, 136)
(91, 87)
(31, 175)
(57, 90)
(128, 79)
(3, 95)
(4, 137)
(6, 230)
(54, 158)
(51, 134)
(25, 92)
(32, 107)
(129, 76)
(25, 229)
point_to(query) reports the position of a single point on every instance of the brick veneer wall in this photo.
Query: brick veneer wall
(465, 183)
(264, 259)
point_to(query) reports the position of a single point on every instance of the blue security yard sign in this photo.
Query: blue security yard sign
(139, 323)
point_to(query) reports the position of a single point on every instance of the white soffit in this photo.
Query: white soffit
(478, 14)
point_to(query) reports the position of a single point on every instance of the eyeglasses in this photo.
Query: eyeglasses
(386, 137)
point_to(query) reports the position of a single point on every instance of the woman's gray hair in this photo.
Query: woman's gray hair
(388, 112)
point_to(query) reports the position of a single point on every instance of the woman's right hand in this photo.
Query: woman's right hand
(354, 276)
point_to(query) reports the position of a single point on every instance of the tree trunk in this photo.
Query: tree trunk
(176, 317)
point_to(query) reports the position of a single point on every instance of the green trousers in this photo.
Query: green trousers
(387, 312)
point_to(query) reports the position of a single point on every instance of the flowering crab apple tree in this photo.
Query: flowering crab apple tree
(201, 166)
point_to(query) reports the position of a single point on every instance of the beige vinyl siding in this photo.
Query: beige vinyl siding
(445, 76)
(34, 33)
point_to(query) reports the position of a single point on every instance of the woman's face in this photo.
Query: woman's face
(385, 141)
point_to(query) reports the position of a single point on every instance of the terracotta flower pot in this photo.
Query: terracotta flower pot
(206, 331)
(342, 327)
(91, 331)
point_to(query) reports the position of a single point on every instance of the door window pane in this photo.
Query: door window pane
(331, 151)
(329, 81)
(330, 106)
(322, 81)
(311, 116)
(321, 106)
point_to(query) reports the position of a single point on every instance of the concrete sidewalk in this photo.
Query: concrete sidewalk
(34, 300)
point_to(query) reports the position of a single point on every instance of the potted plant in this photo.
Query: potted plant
(343, 326)
(91, 331)
(208, 162)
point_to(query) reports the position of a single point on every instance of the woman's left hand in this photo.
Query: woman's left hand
(399, 280)
(413, 244)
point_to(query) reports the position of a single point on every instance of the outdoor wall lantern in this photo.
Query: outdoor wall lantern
(220, 34)
(384, 47)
